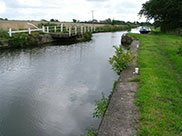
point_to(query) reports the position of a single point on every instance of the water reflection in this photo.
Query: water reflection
(51, 90)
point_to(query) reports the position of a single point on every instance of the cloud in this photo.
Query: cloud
(2, 7)
(66, 10)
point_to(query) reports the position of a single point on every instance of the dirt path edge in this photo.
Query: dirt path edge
(121, 117)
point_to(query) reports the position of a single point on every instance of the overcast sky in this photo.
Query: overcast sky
(66, 10)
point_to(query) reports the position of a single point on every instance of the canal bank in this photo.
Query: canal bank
(37, 40)
(121, 116)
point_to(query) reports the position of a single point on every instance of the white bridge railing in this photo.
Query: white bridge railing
(46, 29)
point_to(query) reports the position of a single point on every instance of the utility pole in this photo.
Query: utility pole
(92, 15)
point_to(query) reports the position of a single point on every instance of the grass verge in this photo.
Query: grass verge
(160, 85)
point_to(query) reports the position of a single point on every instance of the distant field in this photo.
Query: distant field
(23, 24)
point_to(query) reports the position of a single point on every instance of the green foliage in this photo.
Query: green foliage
(101, 107)
(3, 34)
(91, 132)
(114, 85)
(113, 28)
(166, 13)
(179, 51)
(159, 96)
(74, 20)
(87, 36)
(1, 43)
(24, 40)
(121, 59)
(47, 24)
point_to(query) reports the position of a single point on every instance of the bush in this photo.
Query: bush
(120, 60)
(101, 107)
(113, 28)
(3, 34)
(1, 43)
(179, 51)
(87, 36)
(178, 31)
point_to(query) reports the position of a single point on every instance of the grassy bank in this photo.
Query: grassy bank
(114, 28)
(159, 96)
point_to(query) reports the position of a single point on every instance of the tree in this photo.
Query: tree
(166, 13)
(74, 20)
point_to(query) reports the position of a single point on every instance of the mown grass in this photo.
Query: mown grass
(160, 86)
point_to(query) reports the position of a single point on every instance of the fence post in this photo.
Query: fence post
(94, 28)
(66, 28)
(9, 31)
(29, 31)
(43, 29)
(81, 29)
(55, 29)
(88, 29)
(70, 31)
(61, 27)
(91, 29)
(47, 29)
(85, 29)
(76, 30)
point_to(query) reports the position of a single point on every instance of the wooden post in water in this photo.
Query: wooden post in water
(61, 27)
(81, 29)
(43, 29)
(55, 29)
(70, 31)
(9, 31)
(29, 31)
(75, 30)
(47, 29)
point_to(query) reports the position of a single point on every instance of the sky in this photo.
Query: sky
(66, 10)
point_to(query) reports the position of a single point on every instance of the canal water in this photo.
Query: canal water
(51, 91)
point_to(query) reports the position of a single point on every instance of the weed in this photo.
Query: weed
(101, 107)
(91, 132)
(121, 59)
(3, 34)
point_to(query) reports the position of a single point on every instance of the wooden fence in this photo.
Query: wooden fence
(62, 29)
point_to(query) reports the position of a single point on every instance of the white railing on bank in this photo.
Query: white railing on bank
(46, 29)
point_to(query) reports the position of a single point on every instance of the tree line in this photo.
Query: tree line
(167, 14)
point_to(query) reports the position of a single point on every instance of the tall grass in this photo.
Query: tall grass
(113, 28)
(3, 34)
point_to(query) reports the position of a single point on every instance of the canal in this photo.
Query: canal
(51, 91)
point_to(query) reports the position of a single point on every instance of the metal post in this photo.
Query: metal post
(61, 27)
(10, 34)
(29, 31)
(70, 31)
(55, 29)
(47, 29)
(43, 29)
(76, 30)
